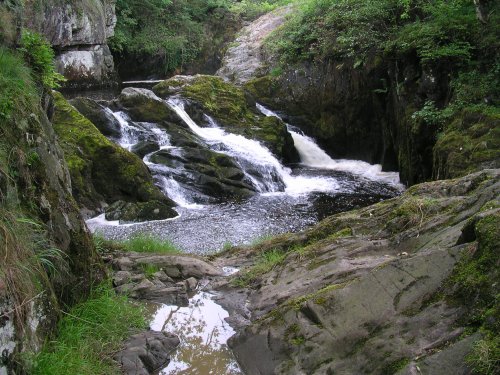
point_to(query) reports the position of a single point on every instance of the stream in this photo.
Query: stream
(288, 199)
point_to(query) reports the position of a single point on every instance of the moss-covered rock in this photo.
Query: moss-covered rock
(97, 114)
(139, 211)
(233, 109)
(144, 105)
(100, 170)
(470, 142)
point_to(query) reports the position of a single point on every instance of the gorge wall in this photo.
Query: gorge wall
(78, 32)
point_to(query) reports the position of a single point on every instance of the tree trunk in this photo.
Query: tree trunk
(481, 11)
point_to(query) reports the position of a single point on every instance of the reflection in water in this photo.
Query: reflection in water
(203, 334)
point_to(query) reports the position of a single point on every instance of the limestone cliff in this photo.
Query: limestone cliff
(78, 32)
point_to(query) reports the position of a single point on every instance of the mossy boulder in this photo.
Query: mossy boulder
(144, 105)
(470, 142)
(233, 109)
(100, 170)
(102, 119)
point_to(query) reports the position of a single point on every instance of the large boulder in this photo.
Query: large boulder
(78, 31)
(102, 118)
(144, 353)
(232, 109)
(144, 105)
(100, 170)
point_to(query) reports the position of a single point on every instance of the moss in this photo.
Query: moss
(471, 141)
(394, 366)
(234, 110)
(98, 168)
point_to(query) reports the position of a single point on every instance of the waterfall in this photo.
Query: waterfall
(254, 157)
(134, 132)
(311, 155)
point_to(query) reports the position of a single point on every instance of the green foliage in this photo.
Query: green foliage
(39, 56)
(430, 115)
(147, 243)
(485, 356)
(89, 334)
(252, 9)
(150, 269)
(476, 286)
(170, 30)
(267, 261)
(17, 91)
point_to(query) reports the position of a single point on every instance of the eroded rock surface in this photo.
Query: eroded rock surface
(367, 291)
(160, 278)
(243, 59)
(146, 352)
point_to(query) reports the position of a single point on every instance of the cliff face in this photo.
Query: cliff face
(78, 32)
(48, 257)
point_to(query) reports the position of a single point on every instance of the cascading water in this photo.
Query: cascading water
(253, 156)
(311, 155)
(133, 133)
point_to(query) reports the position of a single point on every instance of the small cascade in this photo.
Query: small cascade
(266, 172)
(132, 133)
(311, 155)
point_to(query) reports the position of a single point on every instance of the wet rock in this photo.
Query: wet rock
(212, 173)
(102, 171)
(103, 119)
(146, 352)
(232, 110)
(191, 284)
(127, 212)
(141, 149)
(144, 105)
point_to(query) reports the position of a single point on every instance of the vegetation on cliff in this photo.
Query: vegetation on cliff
(180, 34)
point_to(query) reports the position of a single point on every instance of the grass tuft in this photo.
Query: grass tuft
(147, 243)
(89, 334)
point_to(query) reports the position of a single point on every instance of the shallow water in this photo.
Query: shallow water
(203, 335)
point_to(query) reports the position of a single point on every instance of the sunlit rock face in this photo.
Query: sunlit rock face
(78, 32)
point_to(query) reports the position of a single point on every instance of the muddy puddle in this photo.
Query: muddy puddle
(203, 333)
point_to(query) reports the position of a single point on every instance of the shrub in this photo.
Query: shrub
(39, 56)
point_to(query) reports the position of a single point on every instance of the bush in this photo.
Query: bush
(17, 92)
(39, 55)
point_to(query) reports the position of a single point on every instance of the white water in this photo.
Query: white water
(252, 154)
(311, 155)
(134, 132)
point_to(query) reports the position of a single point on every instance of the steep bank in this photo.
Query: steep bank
(380, 90)
(48, 257)
(405, 285)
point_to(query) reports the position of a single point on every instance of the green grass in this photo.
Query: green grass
(150, 269)
(89, 334)
(265, 263)
(147, 243)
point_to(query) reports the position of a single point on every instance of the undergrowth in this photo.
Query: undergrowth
(147, 243)
(89, 334)
(265, 262)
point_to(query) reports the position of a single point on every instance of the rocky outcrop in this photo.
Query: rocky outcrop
(232, 109)
(103, 173)
(243, 60)
(48, 257)
(146, 352)
(78, 31)
(379, 290)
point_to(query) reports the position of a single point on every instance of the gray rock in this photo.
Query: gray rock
(146, 352)
(191, 284)
(102, 118)
(121, 277)
(144, 105)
